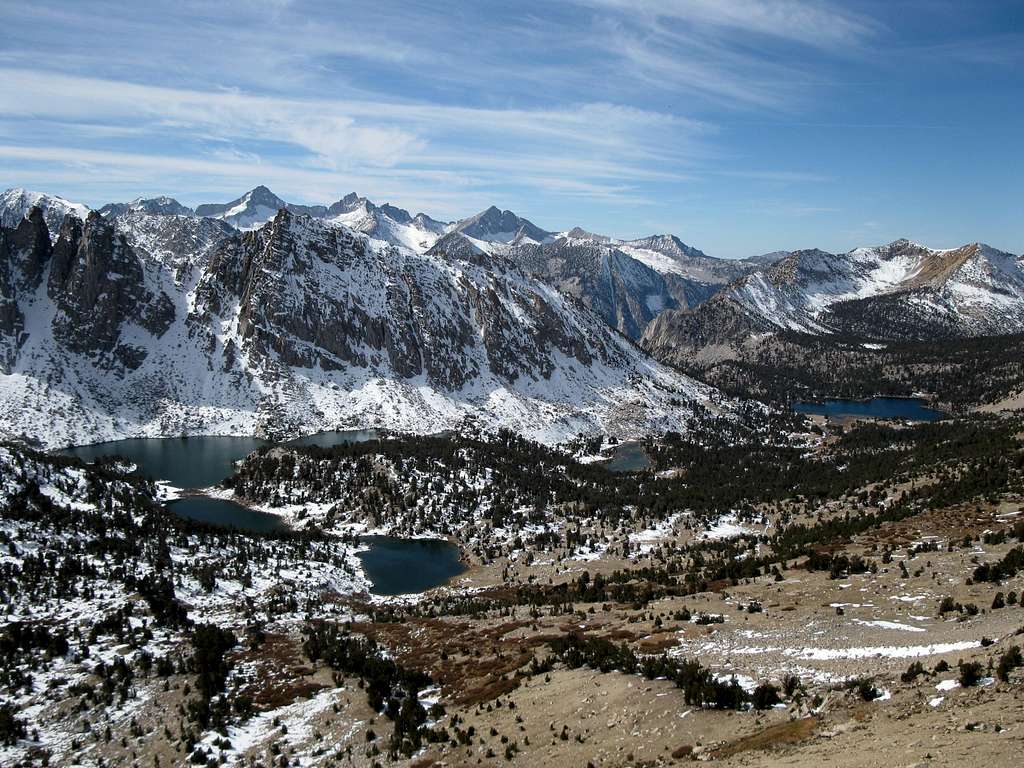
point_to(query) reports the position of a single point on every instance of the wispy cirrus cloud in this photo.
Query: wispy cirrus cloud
(818, 23)
(230, 138)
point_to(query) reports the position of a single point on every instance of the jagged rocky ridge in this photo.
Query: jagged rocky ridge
(160, 325)
(892, 293)
(627, 282)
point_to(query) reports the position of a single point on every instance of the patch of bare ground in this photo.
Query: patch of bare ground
(949, 523)
(275, 673)
(660, 640)
(473, 662)
(773, 737)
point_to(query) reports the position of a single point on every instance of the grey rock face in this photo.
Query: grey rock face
(294, 285)
(347, 204)
(503, 225)
(455, 245)
(24, 255)
(154, 206)
(98, 286)
(306, 326)
(624, 292)
(182, 243)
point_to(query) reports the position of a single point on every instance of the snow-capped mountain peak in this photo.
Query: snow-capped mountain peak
(155, 206)
(669, 255)
(16, 202)
(496, 226)
(254, 208)
(578, 234)
(455, 245)
(347, 204)
(385, 222)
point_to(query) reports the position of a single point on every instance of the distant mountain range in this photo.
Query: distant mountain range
(892, 293)
(262, 316)
(627, 282)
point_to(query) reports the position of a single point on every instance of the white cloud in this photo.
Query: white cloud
(376, 132)
(586, 150)
(814, 22)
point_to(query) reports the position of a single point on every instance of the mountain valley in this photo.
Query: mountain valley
(659, 561)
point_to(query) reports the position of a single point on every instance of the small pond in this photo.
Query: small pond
(907, 408)
(403, 566)
(331, 439)
(629, 457)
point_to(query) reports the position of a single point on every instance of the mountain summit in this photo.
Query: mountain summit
(17, 202)
(494, 225)
(156, 206)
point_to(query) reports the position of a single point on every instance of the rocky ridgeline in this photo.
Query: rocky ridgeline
(158, 324)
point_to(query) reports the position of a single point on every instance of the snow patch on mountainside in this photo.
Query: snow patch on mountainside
(655, 260)
(974, 288)
(15, 204)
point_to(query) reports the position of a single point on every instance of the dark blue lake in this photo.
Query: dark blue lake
(907, 408)
(202, 460)
(227, 513)
(185, 462)
(403, 566)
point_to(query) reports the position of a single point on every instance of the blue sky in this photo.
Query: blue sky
(742, 126)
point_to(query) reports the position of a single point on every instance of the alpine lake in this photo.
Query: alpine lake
(394, 565)
(900, 408)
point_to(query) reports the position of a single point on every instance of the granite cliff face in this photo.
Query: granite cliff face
(626, 293)
(310, 295)
(99, 290)
(628, 283)
(89, 285)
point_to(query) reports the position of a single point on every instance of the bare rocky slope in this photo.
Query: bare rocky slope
(901, 292)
